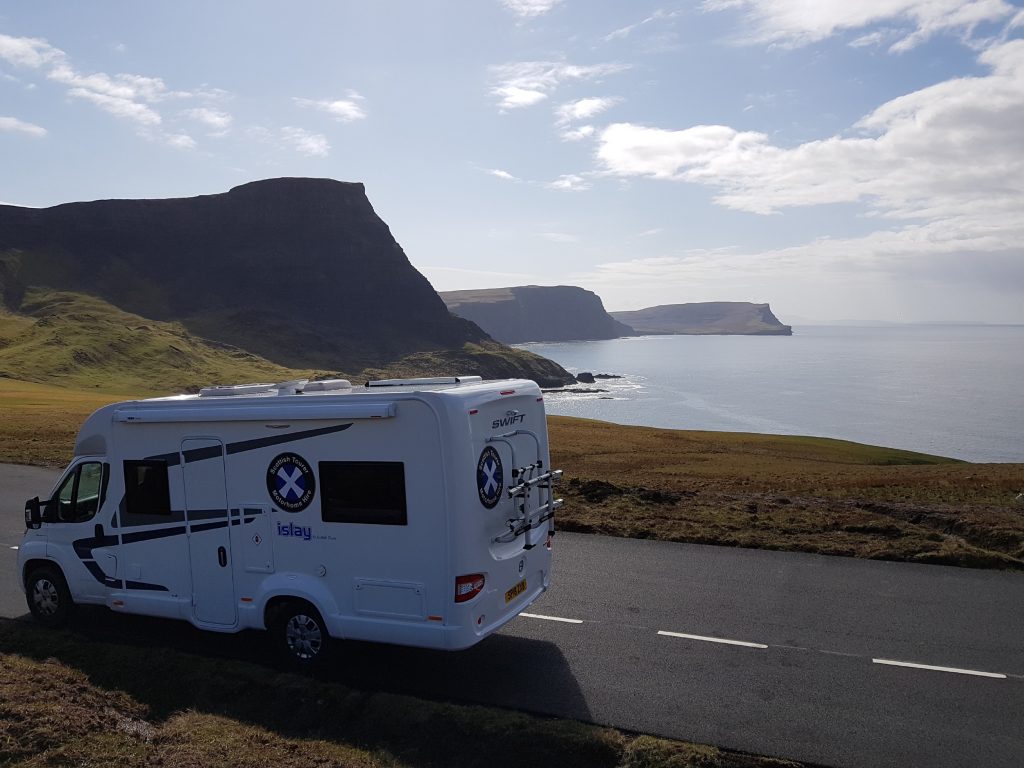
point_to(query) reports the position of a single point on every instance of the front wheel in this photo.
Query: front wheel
(48, 596)
(300, 636)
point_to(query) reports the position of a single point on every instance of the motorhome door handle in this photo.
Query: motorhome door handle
(222, 557)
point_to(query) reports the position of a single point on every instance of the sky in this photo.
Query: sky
(843, 160)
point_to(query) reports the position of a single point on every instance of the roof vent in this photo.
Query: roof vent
(428, 382)
(293, 387)
(236, 389)
(328, 385)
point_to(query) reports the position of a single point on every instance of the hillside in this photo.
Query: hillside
(711, 317)
(299, 272)
(536, 313)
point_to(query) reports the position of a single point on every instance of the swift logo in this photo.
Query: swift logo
(511, 417)
(303, 532)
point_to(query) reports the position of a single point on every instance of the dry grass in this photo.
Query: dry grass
(67, 701)
(788, 493)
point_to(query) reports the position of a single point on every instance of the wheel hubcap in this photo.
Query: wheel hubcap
(304, 636)
(45, 597)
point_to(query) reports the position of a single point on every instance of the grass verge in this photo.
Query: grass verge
(67, 701)
(788, 493)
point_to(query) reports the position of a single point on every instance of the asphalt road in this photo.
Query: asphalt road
(832, 661)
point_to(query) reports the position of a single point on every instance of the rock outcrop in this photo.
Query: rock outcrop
(299, 271)
(537, 313)
(710, 318)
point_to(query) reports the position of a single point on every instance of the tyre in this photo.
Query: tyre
(300, 636)
(48, 597)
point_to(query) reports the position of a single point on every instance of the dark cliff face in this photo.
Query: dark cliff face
(537, 313)
(301, 271)
(710, 317)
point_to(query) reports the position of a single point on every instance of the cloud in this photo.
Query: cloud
(20, 126)
(583, 109)
(559, 237)
(180, 141)
(342, 110)
(793, 23)
(570, 182)
(502, 174)
(29, 52)
(624, 32)
(953, 149)
(219, 122)
(525, 83)
(119, 106)
(529, 9)
(305, 142)
(944, 166)
(126, 96)
(578, 134)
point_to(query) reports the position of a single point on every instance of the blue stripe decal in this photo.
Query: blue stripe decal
(199, 454)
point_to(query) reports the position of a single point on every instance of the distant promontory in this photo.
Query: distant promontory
(706, 318)
(536, 313)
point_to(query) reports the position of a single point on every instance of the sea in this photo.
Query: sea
(949, 390)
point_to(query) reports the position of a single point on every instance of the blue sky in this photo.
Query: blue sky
(841, 160)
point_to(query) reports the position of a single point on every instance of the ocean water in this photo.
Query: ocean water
(948, 390)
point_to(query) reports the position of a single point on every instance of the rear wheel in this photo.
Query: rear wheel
(300, 636)
(48, 596)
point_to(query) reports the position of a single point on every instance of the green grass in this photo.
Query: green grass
(82, 342)
(68, 700)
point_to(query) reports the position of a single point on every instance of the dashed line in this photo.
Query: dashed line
(551, 618)
(712, 639)
(955, 670)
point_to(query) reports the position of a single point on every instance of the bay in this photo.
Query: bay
(948, 390)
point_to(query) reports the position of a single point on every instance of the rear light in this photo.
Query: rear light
(507, 392)
(469, 586)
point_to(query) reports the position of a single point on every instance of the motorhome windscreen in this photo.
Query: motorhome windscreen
(368, 492)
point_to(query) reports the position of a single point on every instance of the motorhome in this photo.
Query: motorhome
(410, 511)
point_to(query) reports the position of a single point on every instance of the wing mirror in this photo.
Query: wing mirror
(33, 516)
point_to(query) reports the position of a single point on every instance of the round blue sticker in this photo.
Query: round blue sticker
(291, 482)
(490, 479)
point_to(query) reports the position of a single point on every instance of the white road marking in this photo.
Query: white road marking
(975, 672)
(712, 639)
(551, 618)
(13, 547)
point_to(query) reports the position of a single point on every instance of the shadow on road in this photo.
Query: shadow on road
(503, 670)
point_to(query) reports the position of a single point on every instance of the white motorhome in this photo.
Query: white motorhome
(408, 511)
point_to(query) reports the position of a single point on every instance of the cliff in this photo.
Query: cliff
(301, 272)
(711, 317)
(536, 313)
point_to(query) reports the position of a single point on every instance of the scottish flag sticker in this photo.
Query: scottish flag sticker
(490, 480)
(291, 482)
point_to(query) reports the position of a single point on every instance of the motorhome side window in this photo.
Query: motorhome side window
(363, 492)
(146, 491)
(80, 495)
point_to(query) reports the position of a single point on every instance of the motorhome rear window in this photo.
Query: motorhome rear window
(145, 488)
(370, 492)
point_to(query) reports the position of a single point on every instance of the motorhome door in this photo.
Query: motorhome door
(209, 539)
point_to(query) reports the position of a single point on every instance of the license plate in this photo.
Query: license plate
(516, 591)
